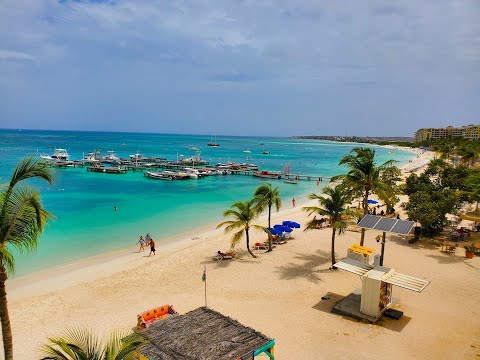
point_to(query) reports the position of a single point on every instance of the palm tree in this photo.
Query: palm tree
(445, 149)
(265, 197)
(335, 207)
(468, 153)
(363, 175)
(81, 344)
(22, 220)
(243, 213)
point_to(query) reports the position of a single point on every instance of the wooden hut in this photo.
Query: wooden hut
(203, 334)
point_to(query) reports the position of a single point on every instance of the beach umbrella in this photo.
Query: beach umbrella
(372, 201)
(283, 228)
(274, 231)
(291, 224)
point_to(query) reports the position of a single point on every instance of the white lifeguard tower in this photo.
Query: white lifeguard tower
(377, 280)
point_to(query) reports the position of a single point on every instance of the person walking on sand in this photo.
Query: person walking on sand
(142, 244)
(293, 202)
(148, 238)
(152, 247)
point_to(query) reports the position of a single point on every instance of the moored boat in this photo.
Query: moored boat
(267, 174)
(58, 155)
(159, 175)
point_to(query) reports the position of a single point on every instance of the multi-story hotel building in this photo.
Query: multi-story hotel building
(467, 132)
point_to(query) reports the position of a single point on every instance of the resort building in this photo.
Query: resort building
(467, 132)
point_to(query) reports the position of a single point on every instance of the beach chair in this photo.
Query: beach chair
(225, 256)
(261, 246)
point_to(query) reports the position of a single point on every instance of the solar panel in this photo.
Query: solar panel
(396, 226)
(385, 224)
(403, 227)
(368, 221)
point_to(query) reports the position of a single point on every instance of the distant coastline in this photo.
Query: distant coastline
(378, 140)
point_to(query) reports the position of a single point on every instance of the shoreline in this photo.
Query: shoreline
(108, 263)
(257, 292)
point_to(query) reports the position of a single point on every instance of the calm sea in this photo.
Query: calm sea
(83, 202)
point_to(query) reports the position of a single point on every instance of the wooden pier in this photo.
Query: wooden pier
(284, 176)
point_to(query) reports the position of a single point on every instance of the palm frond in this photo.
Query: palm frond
(237, 237)
(23, 219)
(31, 168)
(8, 261)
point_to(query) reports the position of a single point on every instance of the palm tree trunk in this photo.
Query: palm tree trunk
(365, 211)
(4, 317)
(248, 242)
(333, 247)
(269, 226)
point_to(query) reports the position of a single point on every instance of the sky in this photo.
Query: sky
(244, 67)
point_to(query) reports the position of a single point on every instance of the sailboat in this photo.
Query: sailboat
(286, 173)
(213, 143)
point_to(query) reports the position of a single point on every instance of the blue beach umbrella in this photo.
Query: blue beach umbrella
(372, 201)
(291, 224)
(283, 228)
(274, 231)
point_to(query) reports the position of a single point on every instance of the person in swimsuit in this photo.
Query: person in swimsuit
(152, 247)
(293, 202)
(142, 244)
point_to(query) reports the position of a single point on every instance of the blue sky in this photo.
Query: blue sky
(251, 67)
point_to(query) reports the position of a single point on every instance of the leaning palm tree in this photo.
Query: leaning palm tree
(265, 197)
(363, 175)
(22, 220)
(82, 344)
(335, 206)
(243, 213)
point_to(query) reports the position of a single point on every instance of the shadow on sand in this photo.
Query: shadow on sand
(308, 268)
(387, 323)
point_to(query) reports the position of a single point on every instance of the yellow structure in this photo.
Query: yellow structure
(361, 249)
(468, 132)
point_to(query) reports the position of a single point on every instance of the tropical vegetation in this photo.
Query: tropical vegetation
(363, 176)
(333, 206)
(440, 190)
(242, 214)
(22, 221)
(82, 344)
(266, 196)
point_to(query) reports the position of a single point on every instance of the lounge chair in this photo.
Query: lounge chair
(225, 256)
(261, 246)
(279, 241)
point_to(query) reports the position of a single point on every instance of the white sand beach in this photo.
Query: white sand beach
(278, 293)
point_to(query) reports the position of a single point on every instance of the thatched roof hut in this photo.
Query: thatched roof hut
(203, 334)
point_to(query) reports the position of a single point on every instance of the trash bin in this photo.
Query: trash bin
(417, 232)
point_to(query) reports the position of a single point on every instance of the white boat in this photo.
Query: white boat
(58, 155)
(193, 148)
(136, 157)
(92, 157)
(159, 175)
(289, 181)
(192, 172)
(247, 151)
(111, 158)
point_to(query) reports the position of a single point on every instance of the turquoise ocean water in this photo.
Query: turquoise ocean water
(83, 202)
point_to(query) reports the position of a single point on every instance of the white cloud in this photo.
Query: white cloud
(8, 55)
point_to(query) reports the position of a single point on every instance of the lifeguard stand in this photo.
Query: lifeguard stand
(377, 283)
